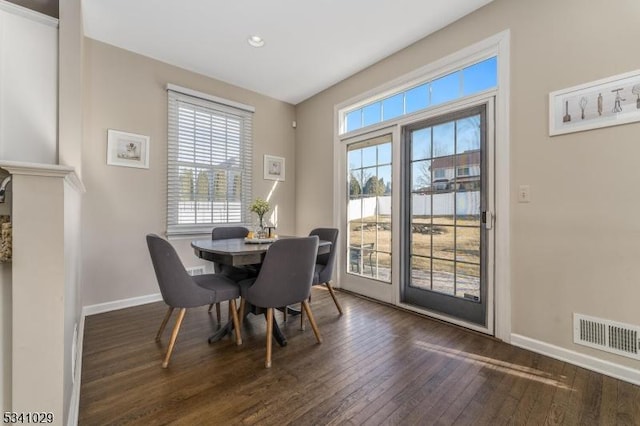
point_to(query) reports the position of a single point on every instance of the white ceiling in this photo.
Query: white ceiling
(309, 45)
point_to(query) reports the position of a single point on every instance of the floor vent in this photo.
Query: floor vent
(610, 336)
(196, 270)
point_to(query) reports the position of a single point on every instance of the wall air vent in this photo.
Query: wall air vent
(606, 335)
(196, 270)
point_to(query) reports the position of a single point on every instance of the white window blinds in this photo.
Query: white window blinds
(209, 164)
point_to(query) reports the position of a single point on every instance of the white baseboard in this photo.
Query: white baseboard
(120, 304)
(608, 368)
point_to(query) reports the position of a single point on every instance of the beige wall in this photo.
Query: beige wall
(126, 91)
(575, 246)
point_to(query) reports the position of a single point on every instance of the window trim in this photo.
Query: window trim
(176, 95)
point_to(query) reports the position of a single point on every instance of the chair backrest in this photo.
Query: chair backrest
(227, 232)
(286, 273)
(328, 259)
(176, 285)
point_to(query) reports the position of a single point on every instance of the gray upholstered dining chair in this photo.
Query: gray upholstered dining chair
(235, 274)
(325, 262)
(284, 279)
(180, 290)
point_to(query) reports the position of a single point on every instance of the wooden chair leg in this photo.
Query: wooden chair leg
(210, 307)
(241, 310)
(307, 309)
(301, 318)
(218, 312)
(267, 362)
(284, 311)
(164, 322)
(236, 323)
(174, 336)
(333, 296)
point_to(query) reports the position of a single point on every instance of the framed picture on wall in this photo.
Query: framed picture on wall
(273, 167)
(608, 102)
(127, 149)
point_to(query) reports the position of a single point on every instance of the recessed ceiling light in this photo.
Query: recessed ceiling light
(256, 41)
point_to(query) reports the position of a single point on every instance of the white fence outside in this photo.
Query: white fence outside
(468, 203)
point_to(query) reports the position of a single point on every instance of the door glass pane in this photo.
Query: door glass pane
(421, 272)
(444, 242)
(369, 156)
(468, 208)
(421, 144)
(468, 134)
(444, 139)
(421, 176)
(354, 159)
(443, 276)
(443, 208)
(468, 244)
(421, 238)
(468, 281)
(445, 228)
(369, 215)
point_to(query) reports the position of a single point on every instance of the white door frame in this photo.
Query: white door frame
(499, 45)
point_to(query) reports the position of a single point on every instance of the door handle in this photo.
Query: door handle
(487, 219)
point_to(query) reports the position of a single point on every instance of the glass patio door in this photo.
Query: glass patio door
(447, 216)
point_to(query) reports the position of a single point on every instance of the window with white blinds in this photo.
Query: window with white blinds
(209, 163)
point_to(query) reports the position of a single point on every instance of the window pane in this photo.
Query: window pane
(417, 98)
(383, 270)
(443, 209)
(393, 107)
(371, 114)
(354, 120)
(421, 144)
(480, 76)
(445, 88)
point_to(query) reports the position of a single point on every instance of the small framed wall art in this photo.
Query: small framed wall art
(127, 149)
(602, 103)
(273, 167)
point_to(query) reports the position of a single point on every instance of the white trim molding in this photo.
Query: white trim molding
(48, 170)
(28, 13)
(589, 362)
(496, 45)
(120, 304)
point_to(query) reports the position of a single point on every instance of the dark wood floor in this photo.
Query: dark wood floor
(377, 365)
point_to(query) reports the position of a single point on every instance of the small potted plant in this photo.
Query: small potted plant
(260, 207)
